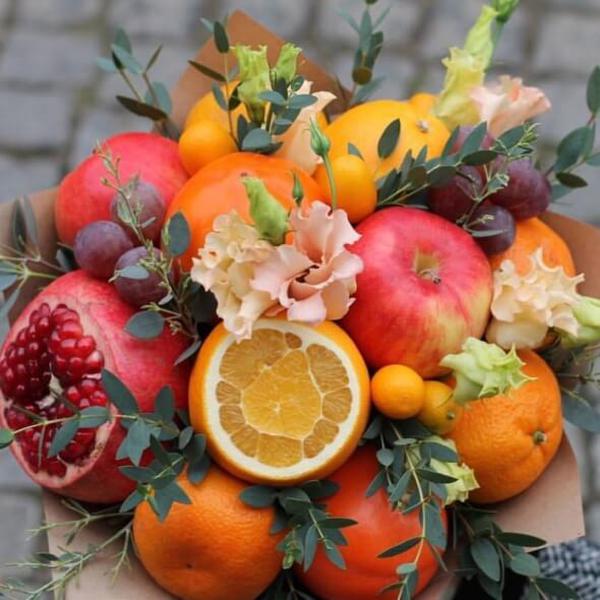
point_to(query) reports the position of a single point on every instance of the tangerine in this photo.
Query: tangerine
(440, 412)
(398, 391)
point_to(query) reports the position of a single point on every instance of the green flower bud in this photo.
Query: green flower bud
(287, 63)
(465, 481)
(505, 9)
(254, 79)
(319, 142)
(480, 39)
(270, 218)
(482, 370)
(587, 313)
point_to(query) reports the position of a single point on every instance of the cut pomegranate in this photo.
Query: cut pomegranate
(50, 367)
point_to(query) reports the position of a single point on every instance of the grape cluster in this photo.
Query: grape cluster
(105, 248)
(492, 222)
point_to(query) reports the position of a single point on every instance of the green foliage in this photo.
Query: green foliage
(298, 509)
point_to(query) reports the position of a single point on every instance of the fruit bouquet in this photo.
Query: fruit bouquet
(300, 344)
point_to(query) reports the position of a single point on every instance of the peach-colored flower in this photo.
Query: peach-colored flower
(315, 277)
(225, 266)
(508, 103)
(296, 140)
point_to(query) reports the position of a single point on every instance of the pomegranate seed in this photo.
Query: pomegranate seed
(71, 329)
(33, 350)
(11, 356)
(94, 362)
(22, 338)
(43, 327)
(73, 451)
(88, 386)
(56, 468)
(72, 394)
(84, 403)
(85, 346)
(67, 347)
(64, 412)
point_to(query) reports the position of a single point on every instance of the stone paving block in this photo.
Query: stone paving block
(12, 476)
(286, 18)
(20, 512)
(151, 18)
(168, 68)
(43, 57)
(398, 27)
(565, 44)
(23, 176)
(98, 124)
(34, 121)
(57, 12)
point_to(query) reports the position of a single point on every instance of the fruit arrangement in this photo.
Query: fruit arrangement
(295, 348)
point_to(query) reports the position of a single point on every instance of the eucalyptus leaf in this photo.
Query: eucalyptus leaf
(127, 60)
(205, 70)
(189, 352)
(256, 139)
(352, 149)
(197, 471)
(310, 547)
(521, 539)
(7, 280)
(571, 180)
(571, 148)
(474, 140)
(385, 457)
(122, 40)
(376, 484)
(580, 412)
(486, 557)
(160, 94)
(153, 58)
(6, 438)
(118, 393)
(131, 501)
(524, 564)
(335, 556)
(220, 36)
(93, 416)
(258, 496)
(164, 404)
(400, 548)
(136, 272)
(179, 234)
(300, 101)
(593, 91)
(185, 437)
(106, 64)
(367, 90)
(556, 588)
(492, 588)
(145, 325)
(142, 109)
(273, 97)
(137, 441)
(389, 139)
(336, 523)
(63, 436)
(480, 157)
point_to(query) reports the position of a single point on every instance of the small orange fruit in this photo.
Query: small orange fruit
(440, 412)
(531, 234)
(355, 186)
(216, 548)
(509, 440)
(288, 405)
(398, 391)
(203, 142)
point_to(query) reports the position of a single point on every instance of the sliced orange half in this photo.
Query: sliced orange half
(284, 407)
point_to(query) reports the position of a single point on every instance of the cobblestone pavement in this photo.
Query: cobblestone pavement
(54, 105)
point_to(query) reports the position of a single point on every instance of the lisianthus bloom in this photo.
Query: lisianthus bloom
(525, 307)
(315, 277)
(226, 265)
(254, 77)
(587, 313)
(464, 477)
(508, 103)
(296, 141)
(482, 370)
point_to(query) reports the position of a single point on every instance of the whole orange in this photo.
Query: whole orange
(363, 126)
(440, 412)
(509, 440)
(356, 191)
(216, 548)
(531, 234)
(398, 391)
(217, 189)
(379, 528)
(203, 142)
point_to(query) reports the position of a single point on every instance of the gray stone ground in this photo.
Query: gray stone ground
(54, 105)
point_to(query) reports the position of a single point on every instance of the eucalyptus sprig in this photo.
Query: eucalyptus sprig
(488, 551)
(370, 44)
(299, 510)
(153, 101)
(68, 564)
(412, 484)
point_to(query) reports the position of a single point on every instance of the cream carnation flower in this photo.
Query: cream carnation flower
(525, 307)
(315, 278)
(225, 266)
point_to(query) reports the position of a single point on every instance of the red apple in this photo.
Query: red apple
(83, 198)
(426, 286)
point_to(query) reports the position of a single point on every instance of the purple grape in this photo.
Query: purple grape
(454, 199)
(490, 217)
(98, 247)
(528, 192)
(138, 292)
(151, 204)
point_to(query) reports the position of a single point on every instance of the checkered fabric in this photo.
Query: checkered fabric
(575, 563)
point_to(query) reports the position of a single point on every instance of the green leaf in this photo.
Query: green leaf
(195, 448)
(131, 501)
(219, 97)
(336, 523)
(486, 558)
(139, 474)
(145, 325)
(118, 393)
(399, 489)
(448, 148)
(63, 436)
(185, 437)
(135, 272)
(352, 149)
(524, 564)
(318, 490)
(492, 588)
(221, 39)
(93, 416)
(474, 140)
(31, 230)
(406, 568)
(180, 235)
(593, 91)
(578, 411)
(142, 109)
(521, 539)
(153, 58)
(434, 526)
(594, 160)
(440, 176)
(571, 148)
(300, 101)
(7, 280)
(122, 40)
(7, 305)
(400, 548)
(6, 438)
(258, 496)
(310, 547)
(106, 64)
(256, 139)
(160, 94)
(212, 74)
(198, 470)
(335, 556)
(273, 97)
(389, 139)
(480, 157)
(374, 429)
(531, 593)
(294, 500)
(571, 180)
(440, 451)
(375, 485)
(385, 457)
(434, 476)
(127, 59)
(164, 405)
(367, 90)
(556, 588)
(136, 441)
